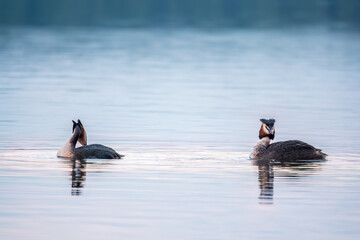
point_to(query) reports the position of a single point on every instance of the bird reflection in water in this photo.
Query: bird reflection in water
(78, 172)
(266, 169)
(78, 176)
(266, 180)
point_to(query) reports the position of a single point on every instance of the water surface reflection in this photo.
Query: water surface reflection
(78, 173)
(183, 105)
(78, 176)
(291, 169)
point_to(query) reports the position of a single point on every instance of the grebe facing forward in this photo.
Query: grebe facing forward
(87, 151)
(282, 151)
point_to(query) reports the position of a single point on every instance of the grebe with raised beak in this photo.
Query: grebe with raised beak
(98, 151)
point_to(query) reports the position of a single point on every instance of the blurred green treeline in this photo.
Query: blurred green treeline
(212, 13)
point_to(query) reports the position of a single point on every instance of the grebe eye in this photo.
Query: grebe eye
(267, 127)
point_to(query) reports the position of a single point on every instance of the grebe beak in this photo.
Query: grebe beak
(271, 130)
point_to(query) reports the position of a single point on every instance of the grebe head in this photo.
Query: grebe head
(77, 126)
(74, 126)
(83, 136)
(267, 128)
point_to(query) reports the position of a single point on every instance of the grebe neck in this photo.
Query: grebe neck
(74, 138)
(67, 150)
(265, 141)
(260, 148)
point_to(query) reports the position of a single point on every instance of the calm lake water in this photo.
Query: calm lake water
(184, 107)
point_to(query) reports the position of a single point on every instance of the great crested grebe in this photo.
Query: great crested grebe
(282, 151)
(87, 151)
